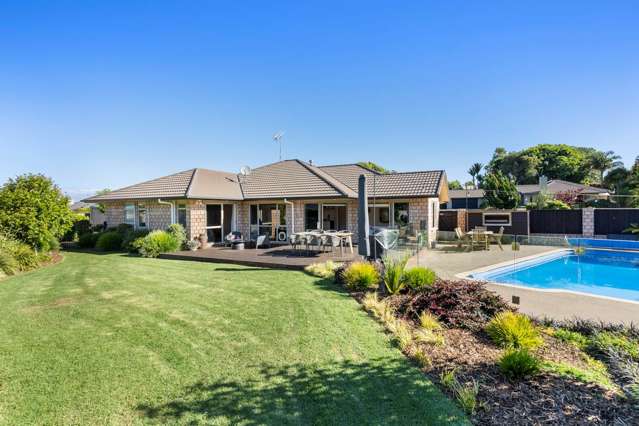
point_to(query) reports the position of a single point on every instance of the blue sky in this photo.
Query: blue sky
(105, 94)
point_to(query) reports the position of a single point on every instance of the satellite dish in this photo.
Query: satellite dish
(245, 170)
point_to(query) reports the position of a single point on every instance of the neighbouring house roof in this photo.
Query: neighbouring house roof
(80, 205)
(284, 179)
(555, 186)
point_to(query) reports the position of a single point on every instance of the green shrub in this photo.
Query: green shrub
(605, 341)
(519, 363)
(26, 257)
(361, 276)
(109, 241)
(53, 244)
(178, 232)
(323, 269)
(87, 241)
(128, 241)
(33, 209)
(157, 242)
(8, 264)
(124, 228)
(572, 337)
(419, 278)
(394, 273)
(512, 330)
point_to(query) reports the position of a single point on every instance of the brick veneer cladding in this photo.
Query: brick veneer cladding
(421, 211)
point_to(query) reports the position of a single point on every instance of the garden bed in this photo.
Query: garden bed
(579, 372)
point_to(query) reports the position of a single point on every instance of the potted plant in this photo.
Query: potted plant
(193, 245)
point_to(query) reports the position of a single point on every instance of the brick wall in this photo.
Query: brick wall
(158, 215)
(114, 212)
(588, 221)
(195, 219)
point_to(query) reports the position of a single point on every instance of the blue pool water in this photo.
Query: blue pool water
(600, 272)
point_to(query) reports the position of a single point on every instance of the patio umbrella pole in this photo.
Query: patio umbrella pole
(363, 247)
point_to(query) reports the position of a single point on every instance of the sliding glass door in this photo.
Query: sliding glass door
(219, 222)
(334, 217)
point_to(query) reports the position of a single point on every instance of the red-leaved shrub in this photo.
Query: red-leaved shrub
(461, 304)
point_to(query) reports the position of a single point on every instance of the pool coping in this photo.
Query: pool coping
(468, 276)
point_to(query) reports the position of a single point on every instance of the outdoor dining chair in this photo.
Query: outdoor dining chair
(497, 237)
(463, 239)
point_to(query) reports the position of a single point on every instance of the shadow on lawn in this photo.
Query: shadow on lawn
(383, 391)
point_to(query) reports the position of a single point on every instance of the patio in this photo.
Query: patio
(281, 257)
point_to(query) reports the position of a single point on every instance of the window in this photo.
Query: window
(142, 217)
(379, 215)
(401, 214)
(129, 214)
(311, 216)
(497, 219)
(181, 214)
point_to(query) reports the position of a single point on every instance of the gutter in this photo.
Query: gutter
(169, 203)
(292, 215)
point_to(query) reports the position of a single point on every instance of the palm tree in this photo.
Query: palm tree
(603, 161)
(474, 171)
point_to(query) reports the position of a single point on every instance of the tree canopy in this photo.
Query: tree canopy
(34, 210)
(455, 184)
(374, 166)
(570, 163)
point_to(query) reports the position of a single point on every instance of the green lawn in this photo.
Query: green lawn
(122, 340)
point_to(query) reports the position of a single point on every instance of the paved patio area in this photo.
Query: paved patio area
(276, 257)
(448, 262)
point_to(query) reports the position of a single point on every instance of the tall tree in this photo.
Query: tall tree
(500, 191)
(604, 161)
(474, 172)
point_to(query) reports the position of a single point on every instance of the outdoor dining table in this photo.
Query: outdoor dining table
(487, 234)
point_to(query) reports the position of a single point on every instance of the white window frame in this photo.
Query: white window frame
(509, 214)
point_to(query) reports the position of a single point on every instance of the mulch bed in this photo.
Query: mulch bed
(543, 399)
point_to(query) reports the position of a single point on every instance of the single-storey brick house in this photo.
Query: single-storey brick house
(278, 199)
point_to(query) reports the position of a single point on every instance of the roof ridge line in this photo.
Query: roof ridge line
(323, 175)
(188, 187)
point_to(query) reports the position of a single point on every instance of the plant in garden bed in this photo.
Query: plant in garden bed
(323, 269)
(157, 242)
(394, 273)
(361, 276)
(462, 304)
(419, 278)
(519, 363)
(109, 241)
(513, 330)
(465, 394)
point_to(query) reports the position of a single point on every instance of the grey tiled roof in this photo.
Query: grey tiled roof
(391, 185)
(555, 186)
(292, 179)
(284, 179)
(171, 186)
(349, 173)
(408, 184)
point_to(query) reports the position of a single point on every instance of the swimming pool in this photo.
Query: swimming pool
(600, 272)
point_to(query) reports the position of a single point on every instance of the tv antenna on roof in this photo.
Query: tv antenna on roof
(277, 137)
